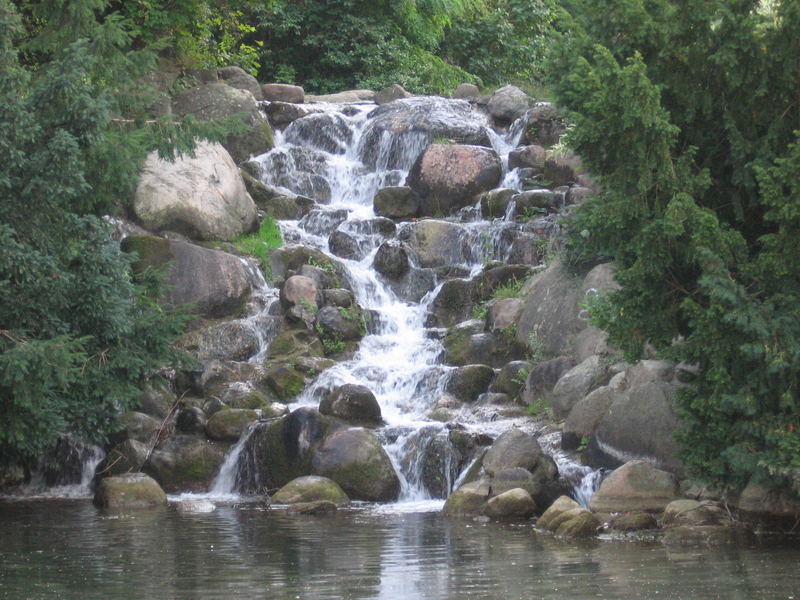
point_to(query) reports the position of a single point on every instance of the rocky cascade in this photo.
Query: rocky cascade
(416, 337)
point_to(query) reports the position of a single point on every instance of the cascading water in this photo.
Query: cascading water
(347, 157)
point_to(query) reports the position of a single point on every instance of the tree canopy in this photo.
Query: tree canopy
(689, 116)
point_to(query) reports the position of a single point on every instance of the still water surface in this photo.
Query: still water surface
(69, 550)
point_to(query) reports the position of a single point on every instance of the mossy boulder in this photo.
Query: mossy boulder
(685, 511)
(582, 525)
(320, 507)
(185, 463)
(126, 457)
(227, 425)
(470, 381)
(155, 400)
(453, 304)
(558, 512)
(355, 459)
(134, 490)
(515, 504)
(352, 403)
(135, 426)
(634, 521)
(311, 488)
(468, 500)
(398, 202)
(284, 380)
(294, 343)
(289, 260)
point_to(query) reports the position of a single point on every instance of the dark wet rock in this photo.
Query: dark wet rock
(448, 177)
(185, 463)
(134, 490)
(227, 425)
(637, 485)
(135, 426)
(494, 203)
(324, 131)
(214, 284)
(278, 203)
(544, 376)
(301, 170)
(397, 202)
(311, 488)
(633, 521)
(290, 260)
(497, 275)
(155, 400)
(391, 260)
(338, 297)
(467, 343)
(413, 285)
(544, 126)
(320, 507)
(352, 403)
(436, 243)
(284, 380)
(413, 123)
(453, 304)
(470, 381)
(126, 457)
(282, 113)
(511, 377)
(191, 420)
(582, 525)
(355, 459)
(340, 324)
(293, 343)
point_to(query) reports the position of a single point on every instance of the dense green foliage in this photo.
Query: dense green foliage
(77, 333)
(689, 114)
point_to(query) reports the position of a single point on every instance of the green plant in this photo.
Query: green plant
(309, 306)
(521, 376)
(539, 408)
(510, 289)
(536, 347)
(480, 310)
(582, 444)
(333, 345)
(531, 212)
(261, 244)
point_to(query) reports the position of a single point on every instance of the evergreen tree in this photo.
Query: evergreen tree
(689, 116)
(78, 334)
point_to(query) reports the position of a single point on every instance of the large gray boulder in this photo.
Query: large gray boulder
(584, 417)
(355, 459)
(576, 383)
(238, 78)
(515, 504)
(553, 316)
(636, 485)
(396, 202)
(219, 100)
(509, 103)
(640, 423)
(513, 449)
(202, 197)
(396, 126)
(323, 131)
(214, 283)
(447, 177)
(228, 424)
(283, 92)
(229, 340)
(352, 403)
(346, 97)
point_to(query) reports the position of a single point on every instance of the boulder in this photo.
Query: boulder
(299, 290)
(135, 426)
(514, 504)
(352, 403)
(511, 378)
(576, 383)
(585, 416)
(284, 380)
(126, 457)
(436, 243)
(391, 260)
(321, 507)
(395, 126)
(470, 381)
(636, 485)
(509, 103)
(185, 463)
(133, 490)
(466, 91)
(293, 343)
(282, 113)
(513, 478)
(311, 488)
(447, 177)
(238, 78)
(530, 157)
(513, 449)
(228, 424)
(291, 259)
(468, 500)
(355, 459)
(283, 92)
(328, 132)
(195, 506)
(278, 203)
(340, 324)
(155, 400)
(191, 420)
(202, 197)
(544, 126)
(229, 340)
(396, 202)
(562, 170)
(559, 511)
(218, 100)
(691, 512)
(215, 284)
(543, 377)
(640, 423)
(300, 169)
(634, 521)
(453, 304)
(581, 525)
(467, 343)
(346, 97)
(390, 94)
(771, 507)
(503, 314)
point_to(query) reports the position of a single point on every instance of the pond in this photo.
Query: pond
(69, 549)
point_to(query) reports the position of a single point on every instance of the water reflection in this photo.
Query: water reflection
(70, 550)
